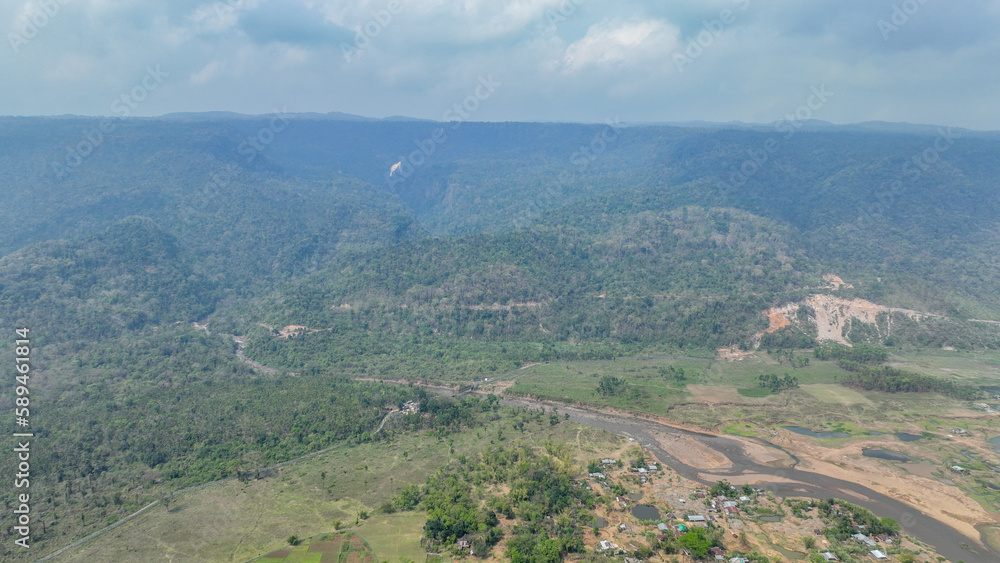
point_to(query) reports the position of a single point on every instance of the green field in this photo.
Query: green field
(711, 382)
(395, 536)
(978, 368)
(649, 390)
(233, 521)
(341, 547)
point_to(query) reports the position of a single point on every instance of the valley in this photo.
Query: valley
(246, 363)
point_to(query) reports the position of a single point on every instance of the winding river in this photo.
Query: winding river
(946, 540)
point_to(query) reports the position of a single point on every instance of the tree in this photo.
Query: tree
(293, 540)
(890, 526)
(547, 551)
(696, 542)
(611, 386)
(721, 489)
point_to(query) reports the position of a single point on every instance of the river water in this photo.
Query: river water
(947, 541)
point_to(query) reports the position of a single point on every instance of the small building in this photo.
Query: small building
(863, 539)
(878, 554)
(464, 542)
(652, 467)
(744, 499)
(608, 461)
(598, 475)
(827, 556)
(695, 518)
(730, 504)
(606, 545)
(732, 510)
(959, 469)
(662, 527)
(717, 553)
(700, 494)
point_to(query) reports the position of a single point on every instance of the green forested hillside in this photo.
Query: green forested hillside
(131, 275)
(692, 277)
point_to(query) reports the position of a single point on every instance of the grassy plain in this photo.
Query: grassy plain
(717, 392)
(649, 390)
(973, 367)
(236, 521)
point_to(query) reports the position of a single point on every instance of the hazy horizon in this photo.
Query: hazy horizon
(578, 61)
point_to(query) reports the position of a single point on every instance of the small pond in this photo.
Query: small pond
(807, 432)
(996, 442)
(635, 496)
(600, 522)
(885, 454)
(769, 518)
(645, 512)
(793, 555)
(904, 437)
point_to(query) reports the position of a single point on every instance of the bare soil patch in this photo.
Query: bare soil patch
(691, 451)
(947, 503)
(733, 353)
(325, 546)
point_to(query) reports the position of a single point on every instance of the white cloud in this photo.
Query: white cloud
(596, 59)
(611, 44)
(219, 16)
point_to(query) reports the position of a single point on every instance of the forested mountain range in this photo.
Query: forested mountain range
(549, 212)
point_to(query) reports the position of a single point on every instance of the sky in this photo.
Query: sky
(843, 61)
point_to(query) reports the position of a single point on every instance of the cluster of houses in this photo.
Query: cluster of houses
(606, 462)
(869, 542)
(725, 505)
(644, 472)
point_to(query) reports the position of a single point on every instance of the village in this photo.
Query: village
(651, 513)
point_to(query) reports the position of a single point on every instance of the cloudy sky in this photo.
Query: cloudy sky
(920, 61)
